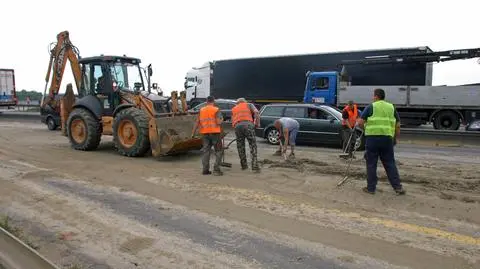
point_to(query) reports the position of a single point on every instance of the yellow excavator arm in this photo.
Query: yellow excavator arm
(64, 50)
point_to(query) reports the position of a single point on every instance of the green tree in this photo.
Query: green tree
(22, 95)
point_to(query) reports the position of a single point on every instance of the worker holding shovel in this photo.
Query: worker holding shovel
(381, 123)
(288, 129)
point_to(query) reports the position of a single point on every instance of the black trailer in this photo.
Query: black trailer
(282, 78)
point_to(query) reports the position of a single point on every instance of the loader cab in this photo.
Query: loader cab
(107, 77)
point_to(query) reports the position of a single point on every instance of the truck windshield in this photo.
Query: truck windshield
(127, 77)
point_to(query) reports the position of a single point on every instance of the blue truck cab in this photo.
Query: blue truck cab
(321, 87)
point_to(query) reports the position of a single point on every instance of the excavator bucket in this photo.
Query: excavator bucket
(171, 133)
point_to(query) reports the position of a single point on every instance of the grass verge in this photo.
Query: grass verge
(16, 231)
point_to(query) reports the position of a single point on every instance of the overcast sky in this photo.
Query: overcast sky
(176, 35)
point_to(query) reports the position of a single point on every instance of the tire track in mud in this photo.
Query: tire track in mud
(52, 202)
(379, 227)
(211, 232)
(73, 154)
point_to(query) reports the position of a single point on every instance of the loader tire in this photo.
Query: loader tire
(83, 130)
(130, 132)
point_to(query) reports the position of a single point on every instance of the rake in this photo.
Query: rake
(356, 146)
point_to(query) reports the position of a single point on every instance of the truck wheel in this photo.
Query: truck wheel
(447, 120)
(83, 130)
(52, 126)
(273, 136)
(130, 132)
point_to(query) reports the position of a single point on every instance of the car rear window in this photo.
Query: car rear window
(273, 111)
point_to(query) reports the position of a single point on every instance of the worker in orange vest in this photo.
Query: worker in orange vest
(209, 122)
(245, 118)
(350, 116)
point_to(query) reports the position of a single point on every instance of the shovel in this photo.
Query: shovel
(223, 163)
(283, 154)
(357, 145)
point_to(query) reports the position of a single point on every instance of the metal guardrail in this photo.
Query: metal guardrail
(15, 254)
(441, 136)
(440, 133)
(29, 107)
(458, 135)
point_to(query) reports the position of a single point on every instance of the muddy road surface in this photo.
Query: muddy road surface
(102, 210)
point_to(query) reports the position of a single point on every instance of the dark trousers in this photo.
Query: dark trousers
(209, 141)
(380, 146)
(246, 131)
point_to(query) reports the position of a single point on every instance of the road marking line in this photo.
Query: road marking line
(465, 239)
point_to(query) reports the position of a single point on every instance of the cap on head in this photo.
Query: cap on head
(350, 102)
(210, 99)
(241, 100)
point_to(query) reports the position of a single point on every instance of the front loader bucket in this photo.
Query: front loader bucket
(173, 134)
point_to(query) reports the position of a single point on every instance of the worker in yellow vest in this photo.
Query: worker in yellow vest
(245, 118)
(209, 123)
(381, 123)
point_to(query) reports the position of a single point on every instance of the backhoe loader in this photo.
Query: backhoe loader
(114, 100)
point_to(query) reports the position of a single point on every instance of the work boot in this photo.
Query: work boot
(244, 167)
(217, 173)
(206, 172)
(365, 189)
(400, 191)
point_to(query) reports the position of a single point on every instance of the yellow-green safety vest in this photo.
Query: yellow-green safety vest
(382, 121)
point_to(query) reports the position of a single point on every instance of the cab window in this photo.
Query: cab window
(99, 79)
(320, 83)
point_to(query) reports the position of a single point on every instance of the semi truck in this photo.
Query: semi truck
(446, 107)
(8, 95)
(270, 79)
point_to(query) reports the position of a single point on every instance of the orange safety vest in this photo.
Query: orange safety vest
(241, 112)
(352, 115)
(208, 120)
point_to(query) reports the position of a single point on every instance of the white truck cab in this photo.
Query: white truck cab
(197, 84)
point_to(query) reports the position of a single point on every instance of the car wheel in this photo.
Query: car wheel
(51, 124)
(273, 136)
